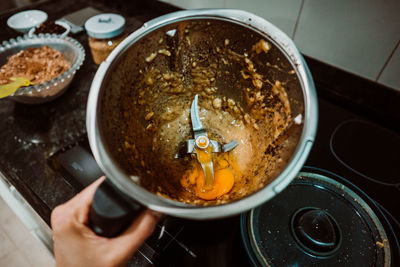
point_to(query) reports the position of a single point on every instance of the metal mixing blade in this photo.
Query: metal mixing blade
(203, 147)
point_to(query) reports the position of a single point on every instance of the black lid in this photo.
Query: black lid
(315, 221)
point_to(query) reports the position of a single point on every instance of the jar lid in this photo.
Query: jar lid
(315, 221)
(106, 25)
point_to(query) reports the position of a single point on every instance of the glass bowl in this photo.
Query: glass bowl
(72, 51)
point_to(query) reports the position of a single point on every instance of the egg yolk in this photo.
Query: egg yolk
(223, 183)
(223, 178)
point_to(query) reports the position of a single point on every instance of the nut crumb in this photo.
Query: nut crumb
(217, 103)
(247, 118)
(151, 57)
(231, 103)
(164, 52)
(149, 116)
(380, 244)
(261, 46)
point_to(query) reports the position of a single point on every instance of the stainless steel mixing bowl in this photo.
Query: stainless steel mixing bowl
(123, 67)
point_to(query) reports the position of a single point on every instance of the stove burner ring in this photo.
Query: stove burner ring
(335, 153)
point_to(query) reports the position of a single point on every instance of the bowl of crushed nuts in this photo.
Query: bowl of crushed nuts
(48, 61)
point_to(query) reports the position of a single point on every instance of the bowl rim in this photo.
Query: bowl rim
(45, 38)
(11, 20)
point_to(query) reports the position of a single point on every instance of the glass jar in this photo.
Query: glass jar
(105, 32)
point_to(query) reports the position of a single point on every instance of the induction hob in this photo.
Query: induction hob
(356, 139)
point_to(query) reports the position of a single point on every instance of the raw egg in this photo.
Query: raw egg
(223, 183)
(224, 177)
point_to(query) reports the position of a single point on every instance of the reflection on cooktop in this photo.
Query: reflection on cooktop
(45, 124)
(179, 242)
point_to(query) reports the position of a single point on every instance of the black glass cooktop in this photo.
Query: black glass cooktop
(344, 141)
(357, 139)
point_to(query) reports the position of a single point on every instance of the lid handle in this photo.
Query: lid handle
(316, 231)
(104, 20)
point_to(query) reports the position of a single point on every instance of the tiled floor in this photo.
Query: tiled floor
(18, 248)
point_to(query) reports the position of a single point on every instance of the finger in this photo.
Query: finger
(138, 232)
(86, 195)
(82, 201)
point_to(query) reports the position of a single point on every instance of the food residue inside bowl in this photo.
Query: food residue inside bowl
(245, 87)
(38, 65)
(50, 27)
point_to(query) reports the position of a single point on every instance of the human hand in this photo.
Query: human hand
(75, 244)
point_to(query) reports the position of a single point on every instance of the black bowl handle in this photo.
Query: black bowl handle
(111, 212)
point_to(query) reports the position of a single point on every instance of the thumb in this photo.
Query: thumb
(82, 201)
(85, 197)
